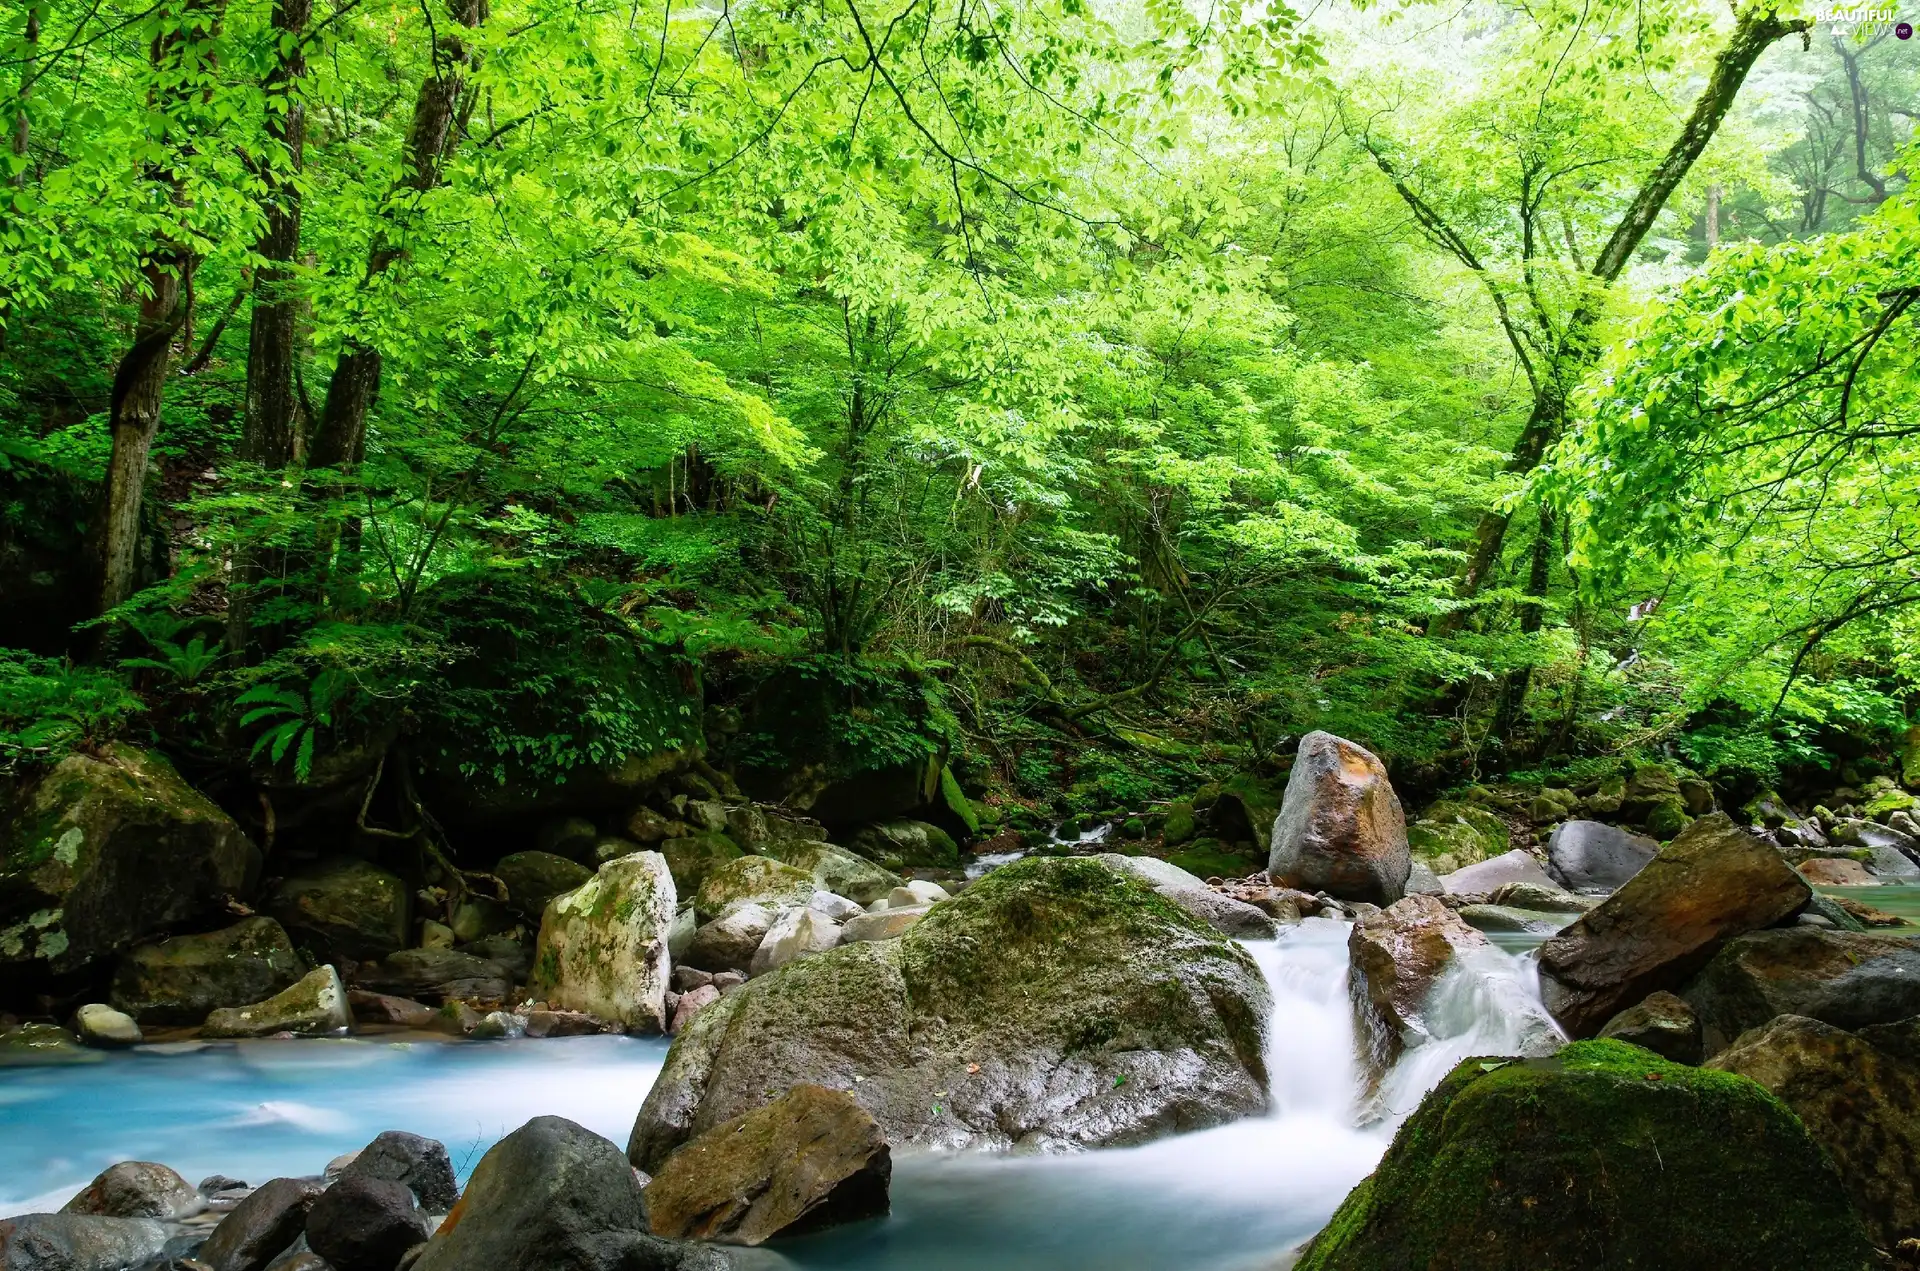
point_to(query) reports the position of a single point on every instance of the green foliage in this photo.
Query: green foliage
(291, 717)
(49, 708)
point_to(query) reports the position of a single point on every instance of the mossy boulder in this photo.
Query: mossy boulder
(533, 879)
(836, 869)
(1210, 858)
(314, 1006)
(694, 856)
(1603, 1156)
(1884, 803)
(752, 880)
(1179, 825)
(1245, 808)
(178, 981)
(1851, 980)
(101, 852)
(1054, 1004)
(345, 908)
(1910, 759)
(1453, 834)
(603, 945)
(901, 844)
(955, 800)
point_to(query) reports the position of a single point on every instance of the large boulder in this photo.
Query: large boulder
(603, 947)
(1409, 962)
(729, 942)
(102, 852)
(1844, 978)
(178, 981)
(315, 1006)
(534, 878)
(345, 908)
(1055, 1004)
(438, 975)
(362, 1223)
(1224, 914)
(811, 1159)
(834, 868)
(752, 880)
(1713, 882)
(1587, 856)
(1494, 873)
(798, 933)
(554, 1195)
(79, 1242)
(262, 1226)
(1340, 828)
(1603, 1156)
(903, 844)
(1453, 834)
(420, 1163)
(138, 1189)
(692, 857)
(1860, 1102)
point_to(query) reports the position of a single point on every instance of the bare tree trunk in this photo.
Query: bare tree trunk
(22, 125)
(1857, 98)
(1713, 216)
(140, 383)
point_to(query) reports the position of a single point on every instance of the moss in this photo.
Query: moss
(1208, 857)
(956, 801)
(691, 859)
(1667, 817)
(752, 878)
(1603, 1156)
(1464, 831)
(1179, 825)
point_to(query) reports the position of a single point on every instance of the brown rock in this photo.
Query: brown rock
(551, 1023)
(1663, 1024)
(383, 1008)
(1713, 882)
(1340, 829)
(1836, 871)
(1850, 979)
(261, 1226)
(138, 1189)
(812, 1158)
(690, 1005)
(1861, 1102)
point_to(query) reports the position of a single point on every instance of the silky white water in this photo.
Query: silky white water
(1238, 1197)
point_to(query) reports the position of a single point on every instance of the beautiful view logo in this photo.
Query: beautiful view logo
(1858, 17)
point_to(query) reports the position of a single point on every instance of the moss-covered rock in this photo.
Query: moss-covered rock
(1604, 1156)
(898, 845)
(533, 879)
(1179, 825)
(955, 800)
(1245, 809)
(315, 1006)
(178, 981)
(345, 908)
(1454, 833)
(1910, 759)
(1885, 803)
(835, 869)
(42, 1045)
(1053, 1004)
(755, 880)
(603, 946)
(1210, 858)
(101, 852)
(694, 856)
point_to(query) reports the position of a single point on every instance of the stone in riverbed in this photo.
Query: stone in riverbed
(1517, 866)
(101, 852)
(418, 1162)
(382, 1008)
(1715, 881)
(79, 1242)
(798, 933)
(99, 1025)
(1225, 914)
(1453, 834)
(902, 844)
(1847, 979)
(692, 857)
(552, 1195)
(603, 946)
(261, 1226)
(346, 908)
(1857, 1100)
(178, 981)
(1518, 1165)
(1551, 900)
(1836, 872)
(1340, 828)
(888, 924)
(534, 878)
(1587, 856)
(752, 880)
(729, 942)
(1662, 1023)
(315, 1007)
(365, 1224)
(834, 868)
(811, 1159)
(691, 1003)
(1510, 918)
(137, 1189)
(567, 1024)
(1091, 1011)
(437, 976)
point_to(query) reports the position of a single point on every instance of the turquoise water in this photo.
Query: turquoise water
(1902, 899)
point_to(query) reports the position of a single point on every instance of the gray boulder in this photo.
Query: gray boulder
(97, 1024)
(534, 878)
(365, 1224)
(1587, 856)
(1662, 1023)
(437, 975)
(345, 908)
(178, 981)
(1055, 1004)
(79, 1242)
(1489, 876)
(102, 852)
(316, 1006)
(834, 869)
(420, 1163)
(261, 1226)
(1230, 917)
(729, 942)
(1847, 979)
(603, 946)
(1340, 829)
(137, 1189)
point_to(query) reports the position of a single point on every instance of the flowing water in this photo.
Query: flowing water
(1233, 1198)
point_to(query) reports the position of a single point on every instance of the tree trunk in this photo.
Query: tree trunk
(22, 125)
(340, 437)
(1713, 216)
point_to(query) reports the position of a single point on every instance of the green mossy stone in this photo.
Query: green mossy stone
(836, 869)
(1886, 803)
(1179, 825)
(535, 878)
(693, 858)
(178, 981)
(1207, 857)
(1464, 831)
(1604, 1156)
(752, 880)
(897, 845)
(956, 800)
(1667, 818)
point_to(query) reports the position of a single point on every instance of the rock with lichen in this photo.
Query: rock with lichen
(603, 946)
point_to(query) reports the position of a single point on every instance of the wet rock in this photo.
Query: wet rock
(1517, 1166)
(1509, 918)
(811, 1159)
(1712, 883)
(384, 1009)
(365, 1224)
(646, 826)
(896, 845)
(36, 1045)
(79, 1242)
(567, 1024)
(261, 1226)
(99, 1025)
(692, 857)
(1858, 1101)
(419, 1163)
(1662, 1023)
(178, 981)
(1830, 872)
(347, 908)
(137, 1189)
(1224, 913)
(513, 955)
(1517, 866)
(316, 1006)
(603, 947)
(729, 942)
(798, 933)
(437, 976)
(1550, 900)
(572, 837)
(888, 924)
(1846, 979)
(101, 852)
(1403, 959)
(553, 1195)
(534, 878)
(1586, 856)
(1090, 1010)
(834, 868)
(1340, 828)
(752, 880)
(691, 1003)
